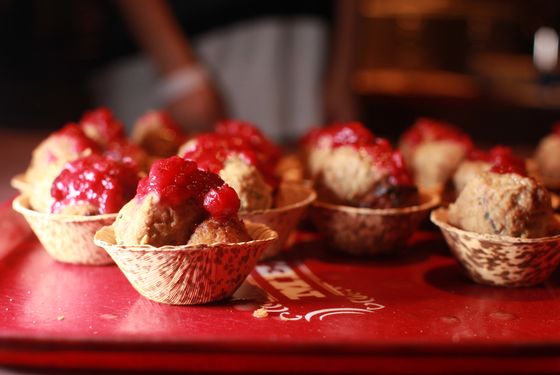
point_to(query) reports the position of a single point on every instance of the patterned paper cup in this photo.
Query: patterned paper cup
(500, 260)
(19, 182)
(187, 275)
(366, 231)
(293, 200)
(67, 238)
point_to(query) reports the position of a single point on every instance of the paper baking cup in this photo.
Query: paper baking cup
(19, 182)
(67, 238)
(187, 275)
(500, 260)
(367, 231)
(555, 201)
(296, 198)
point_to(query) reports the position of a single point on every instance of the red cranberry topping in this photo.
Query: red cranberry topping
(176, 181)
(431, 130)
(222, 201)
(358, 136)
(102, 126)
(268, 152)
(210, 151)
(385, 158)
(336, 135)
(502, 160)
(127, 152)
(100, 182)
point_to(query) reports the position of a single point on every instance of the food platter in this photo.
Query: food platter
(307, 310)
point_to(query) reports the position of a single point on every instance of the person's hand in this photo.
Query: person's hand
(198, 109)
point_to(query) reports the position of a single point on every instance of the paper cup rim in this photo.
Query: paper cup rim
(309, 199)
(19, 182)
(554, 200)
(443, 224)
(432, 199)
(267, 236)
(21, 204)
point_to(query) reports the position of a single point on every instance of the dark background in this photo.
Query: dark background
(467, 62)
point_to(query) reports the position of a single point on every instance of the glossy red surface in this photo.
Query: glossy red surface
(268, 151)
(339, 134)
(327, 313)
(175, 181)
(210, 151)
(99, 182)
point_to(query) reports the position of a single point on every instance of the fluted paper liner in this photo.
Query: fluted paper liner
(294, 200)
(187, 275)
(67, 238)
(500, 260)
(367, 231)
(19, 182)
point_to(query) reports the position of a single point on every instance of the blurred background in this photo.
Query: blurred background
(470, 62)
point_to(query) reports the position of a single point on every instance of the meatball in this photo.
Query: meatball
(210, 231)
(254, 193)
(350, 176)
(172, 201)
(467, 170)
(158, 134)
(503, 204)
(547, 158)
(433, 163)
(147, 222)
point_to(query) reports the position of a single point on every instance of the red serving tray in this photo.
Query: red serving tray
(412, 313)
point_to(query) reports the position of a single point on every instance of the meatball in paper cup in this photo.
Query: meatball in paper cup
(502, 228)
(67, 238)
(368, 231)
(85, 196)
(180, 240)
(500, 260)
(292, 202)
(187, 274)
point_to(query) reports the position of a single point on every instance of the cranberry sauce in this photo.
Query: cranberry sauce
(100, 182)
(502, 160)
(176, 181)
(104, 125)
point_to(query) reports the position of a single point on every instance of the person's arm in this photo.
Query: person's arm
(340, 100)
(186, 86)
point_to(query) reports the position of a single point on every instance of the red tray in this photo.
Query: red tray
(412, 313)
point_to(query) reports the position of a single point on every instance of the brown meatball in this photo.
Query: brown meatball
(350, 177)
(547, 158)
(466, 172)
(254, 193)
(147, 222)
(435, 162)
(212, 230)
(503, 204)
